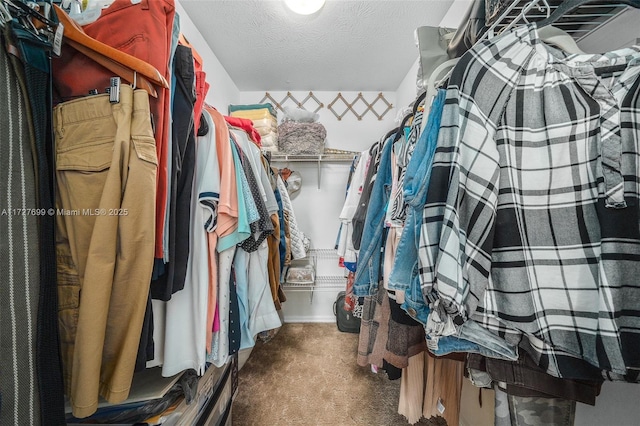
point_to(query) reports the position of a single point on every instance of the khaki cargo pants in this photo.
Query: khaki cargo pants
(106, 178)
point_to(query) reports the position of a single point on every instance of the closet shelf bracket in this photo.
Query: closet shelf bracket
(343, 157)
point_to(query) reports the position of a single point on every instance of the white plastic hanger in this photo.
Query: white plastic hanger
(90, 13)
(559, 38)
(432, 84)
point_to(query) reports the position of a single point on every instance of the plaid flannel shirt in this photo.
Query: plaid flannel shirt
(531, 223)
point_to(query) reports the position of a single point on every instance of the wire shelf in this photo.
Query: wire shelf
(327, 157)
(323, 253)
(322, 282)
(578, 23)
(313, 157)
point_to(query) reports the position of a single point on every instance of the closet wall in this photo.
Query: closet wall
(223, 91)
(622, 31)
(407, 91)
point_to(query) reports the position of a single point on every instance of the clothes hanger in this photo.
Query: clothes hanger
(30, 18)
(432, 85)
(136, 80)
(90, 12)
(196, 56)
(391, 133)
(130, 68)
(559, 38)
(544, 7)
(400, 130)
(569, 5)
(418, 102)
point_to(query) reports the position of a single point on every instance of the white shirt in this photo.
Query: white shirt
(186, 313)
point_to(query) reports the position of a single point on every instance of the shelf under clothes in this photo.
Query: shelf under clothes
(156, 400)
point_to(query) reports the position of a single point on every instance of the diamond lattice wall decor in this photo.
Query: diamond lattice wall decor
(379, 106)
(369, 106)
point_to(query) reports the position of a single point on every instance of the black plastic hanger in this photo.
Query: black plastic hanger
(391, 133)
(18, 5)
(569, 5)
(30, 19)
(400, 130)
(418, 102)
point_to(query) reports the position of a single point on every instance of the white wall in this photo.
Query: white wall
(617, 405)
(316, 209)
(622, 31)
(408, 89)
(223, 90)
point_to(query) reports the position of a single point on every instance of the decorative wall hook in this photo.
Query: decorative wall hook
(369, 107)
(289, 97)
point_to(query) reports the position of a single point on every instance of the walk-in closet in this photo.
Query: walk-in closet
(319, 212)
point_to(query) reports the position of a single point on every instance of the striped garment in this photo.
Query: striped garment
(19, 257)
(398, 206)
(531, 224)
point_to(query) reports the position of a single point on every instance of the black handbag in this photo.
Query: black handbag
(345, 320)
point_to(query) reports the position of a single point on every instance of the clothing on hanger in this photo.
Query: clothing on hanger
(503, 225)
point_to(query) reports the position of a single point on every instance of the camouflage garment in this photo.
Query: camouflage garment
(513, 410)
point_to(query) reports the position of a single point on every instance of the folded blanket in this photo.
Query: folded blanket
(250, 107)
(265, 122)
(256, 114)
(270, 142)
(264, 131)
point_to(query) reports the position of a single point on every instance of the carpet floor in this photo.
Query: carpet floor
(307, 375)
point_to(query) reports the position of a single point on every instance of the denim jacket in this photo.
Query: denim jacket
(368, 272)
(405, 266)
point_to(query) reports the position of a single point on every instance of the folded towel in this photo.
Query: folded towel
(265, 122)
(269, 141)
(265, 131)
(256, 114)
(250, 107)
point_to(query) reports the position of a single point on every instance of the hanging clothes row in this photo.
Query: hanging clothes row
(504, 231)
(169, 227)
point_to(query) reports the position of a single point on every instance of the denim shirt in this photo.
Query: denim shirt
(405, 266)
(368, 272)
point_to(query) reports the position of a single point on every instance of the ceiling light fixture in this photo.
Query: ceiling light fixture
(304, 7)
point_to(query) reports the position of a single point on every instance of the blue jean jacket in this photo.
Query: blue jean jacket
(368, 272)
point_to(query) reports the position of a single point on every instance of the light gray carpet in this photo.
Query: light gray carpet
(307, 375)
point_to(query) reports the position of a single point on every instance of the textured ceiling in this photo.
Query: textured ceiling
(347, 45)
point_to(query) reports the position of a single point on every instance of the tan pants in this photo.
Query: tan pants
(106, 177)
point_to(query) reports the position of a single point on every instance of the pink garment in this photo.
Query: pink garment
(247, 126)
